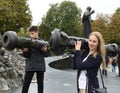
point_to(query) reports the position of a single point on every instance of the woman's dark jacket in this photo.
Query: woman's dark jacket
(91, 65)
(35, 59)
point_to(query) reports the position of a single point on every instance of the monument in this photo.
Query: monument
(86, 20)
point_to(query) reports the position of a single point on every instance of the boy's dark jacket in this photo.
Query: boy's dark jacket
(91, 65)
(35, 59)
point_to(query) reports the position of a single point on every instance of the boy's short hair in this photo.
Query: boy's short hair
(33, 29)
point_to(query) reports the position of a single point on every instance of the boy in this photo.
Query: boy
(35, 62)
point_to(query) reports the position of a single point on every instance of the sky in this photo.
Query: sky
(39, 8)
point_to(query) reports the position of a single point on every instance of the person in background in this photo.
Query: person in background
(114, 64)
(87, 63)
(104, 71)
(118, 61)
(35, 62)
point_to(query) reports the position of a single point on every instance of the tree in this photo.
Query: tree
(101, 24)
(70, 17)
(115, 26)
(14, 14)
(66, 16)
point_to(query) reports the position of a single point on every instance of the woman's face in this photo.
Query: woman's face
(93, 43)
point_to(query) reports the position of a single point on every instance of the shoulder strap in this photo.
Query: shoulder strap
(102, 78)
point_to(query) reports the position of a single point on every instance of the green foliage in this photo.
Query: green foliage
(117, 11)
(70, 17)
(109, 26)
(114, 27)
(65, 16)
(101, 24)
(14, 14)
(44, 32)
(23, 33)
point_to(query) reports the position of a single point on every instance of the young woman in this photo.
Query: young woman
(88, 62)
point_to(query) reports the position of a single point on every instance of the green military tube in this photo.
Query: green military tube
(10, 41)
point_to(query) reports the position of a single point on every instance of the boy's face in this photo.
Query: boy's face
(33, 34)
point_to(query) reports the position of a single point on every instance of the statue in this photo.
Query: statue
(58, 43)
(86, 20)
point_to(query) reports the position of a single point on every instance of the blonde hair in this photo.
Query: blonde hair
(101, 46)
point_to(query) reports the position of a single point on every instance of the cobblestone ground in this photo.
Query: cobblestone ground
(59, 81)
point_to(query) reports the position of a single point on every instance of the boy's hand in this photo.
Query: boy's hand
(44, 48)
(24, 49)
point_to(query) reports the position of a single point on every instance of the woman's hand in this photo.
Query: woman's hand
(78, 45)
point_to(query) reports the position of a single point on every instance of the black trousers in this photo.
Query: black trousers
(104, 72)
(119, 68)
(27, 80)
